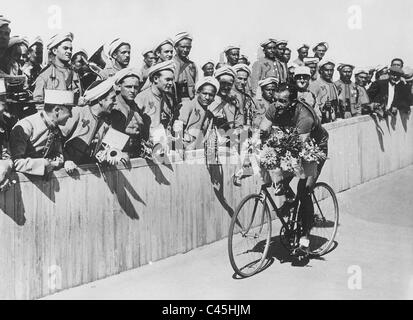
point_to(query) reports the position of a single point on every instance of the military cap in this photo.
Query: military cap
(302, 70)
(17, 40)
(278, 42)
(209, 61)
(360, 71)
(146, 51)
(35, 41)
(230, 47)
(167, 40)
(4, 21)
(225, 70)
(98, 89)
(125, 73)
(267, 81)
(181, 36)
(58, 39)
(308, 61)
(342, 65)
(267, 42)
(303, 46)
(166, 65)
(59, 97)
(207, 80)
(321, 44)
(116, 44)
(242, 67)
(324, 62)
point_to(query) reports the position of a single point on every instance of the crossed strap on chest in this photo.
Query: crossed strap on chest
(55, 135)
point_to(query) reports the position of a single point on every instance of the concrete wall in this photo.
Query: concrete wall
(66, 231)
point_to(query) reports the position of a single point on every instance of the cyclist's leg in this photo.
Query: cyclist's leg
(306, 209)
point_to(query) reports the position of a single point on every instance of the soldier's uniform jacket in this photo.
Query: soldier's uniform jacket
(83, 135)
(110, 70)
(126, 116)
(261, 69)
(33, 140)
(57, 78)
(143, 76)
(245, 106)
(324, 91)
(225, 110)
(160, 107)
(196, 121)
(348, 96)
(185, 78)
(260, 108)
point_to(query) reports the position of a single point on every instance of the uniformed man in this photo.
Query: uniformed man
(84, 132)
(281, 46)
(348, 94)
(320, 50)
(287, 55)
(164, 51)
(126, 117)
(4, 36)
(208, 68)
(224, 108)
(157, 101)
(33, 65)
(268, 87)
(302, 54)
(15, 56)
(302, 77)
(119, 57)
(194, 117)
(232, 55)
(244, 100)
(268, 66)
(6, 164)
(36, 141)
(325, 92)
(312, 63)
(186, 72)
(58, 75)
(361, 77)
(149, 59)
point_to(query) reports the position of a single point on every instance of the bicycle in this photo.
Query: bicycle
(250, 230)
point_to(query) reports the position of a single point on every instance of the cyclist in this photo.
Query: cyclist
(290, 111)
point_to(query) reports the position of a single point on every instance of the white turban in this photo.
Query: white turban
(267, 81)
(98, 89)
(59, 38)
(320, 44)
(267, 42)
(126, 72)
(242, 67)
(36, 40)
(4, 21)
(16, 40)
(225, 70)
(180, 36)
(207, 80)
(166, 65)
(115, 44)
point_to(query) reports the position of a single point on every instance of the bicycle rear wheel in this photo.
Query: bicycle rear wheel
(326, 216)
(249, 235)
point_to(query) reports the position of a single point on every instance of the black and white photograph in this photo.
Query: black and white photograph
(214, 152)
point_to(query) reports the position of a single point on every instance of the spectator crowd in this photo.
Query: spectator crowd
(56, 114)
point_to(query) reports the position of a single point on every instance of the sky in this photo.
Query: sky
(360, 32)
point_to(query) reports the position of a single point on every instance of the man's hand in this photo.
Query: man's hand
(52, 165)
(70, 166)
(394, 111)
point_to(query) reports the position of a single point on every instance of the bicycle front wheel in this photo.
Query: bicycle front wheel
(249, 235)
(325, 221)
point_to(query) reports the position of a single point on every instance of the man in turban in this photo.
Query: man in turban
(119, 58)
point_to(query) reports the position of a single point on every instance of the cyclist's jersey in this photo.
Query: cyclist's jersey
(303, 118)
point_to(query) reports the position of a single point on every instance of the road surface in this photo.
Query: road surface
(373, 260)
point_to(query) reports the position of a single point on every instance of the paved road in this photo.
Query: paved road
(373, 260)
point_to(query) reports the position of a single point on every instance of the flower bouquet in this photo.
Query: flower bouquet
(280, 154)
(310, 156)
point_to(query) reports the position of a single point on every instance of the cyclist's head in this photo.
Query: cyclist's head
(282, 99)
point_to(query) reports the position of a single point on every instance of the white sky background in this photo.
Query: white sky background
(385, 33)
